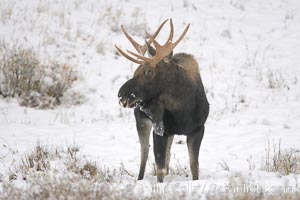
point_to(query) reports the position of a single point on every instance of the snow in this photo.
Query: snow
(248, 53)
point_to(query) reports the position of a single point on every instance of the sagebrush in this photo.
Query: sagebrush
(33, 83)
(42, 161)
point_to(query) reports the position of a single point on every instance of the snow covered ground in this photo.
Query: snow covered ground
(248, 53)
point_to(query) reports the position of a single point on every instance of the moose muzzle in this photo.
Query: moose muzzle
(128, 96)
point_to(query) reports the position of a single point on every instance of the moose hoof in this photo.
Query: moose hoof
(160, 179)
(161, 173)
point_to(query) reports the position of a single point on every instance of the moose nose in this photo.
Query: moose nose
(122, 101)
(128, 101)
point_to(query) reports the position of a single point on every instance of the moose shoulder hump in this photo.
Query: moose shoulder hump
(188, 63)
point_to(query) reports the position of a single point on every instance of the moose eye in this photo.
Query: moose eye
(149, 73)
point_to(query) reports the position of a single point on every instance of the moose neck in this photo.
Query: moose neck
(166, 74)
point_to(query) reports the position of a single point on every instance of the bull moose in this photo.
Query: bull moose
(167, 93)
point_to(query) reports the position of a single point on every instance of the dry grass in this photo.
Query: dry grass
(251, 163)
(63, 173)
(50, 187)
(240, 187)
(37, 85)
(42, 161)
(89, 170)
(179, 169)
(284, 161)
(37, 160)
(224, 165)
(69, 187)
(175, 169)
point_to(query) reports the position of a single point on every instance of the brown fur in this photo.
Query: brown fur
(188, 63)
(167, 94)
(171, 98)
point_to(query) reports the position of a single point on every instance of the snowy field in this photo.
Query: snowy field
(248, 55)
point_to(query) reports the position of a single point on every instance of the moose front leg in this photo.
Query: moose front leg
(193, 142)
(155, 111)
(160, 153)
(143, 125)
(168, 154)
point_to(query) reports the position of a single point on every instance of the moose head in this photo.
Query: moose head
(149, 78)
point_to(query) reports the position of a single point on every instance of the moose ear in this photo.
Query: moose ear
(151, 51)
(169, 57)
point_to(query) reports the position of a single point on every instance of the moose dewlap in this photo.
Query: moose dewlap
(167, 94)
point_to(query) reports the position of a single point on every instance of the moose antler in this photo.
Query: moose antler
(161, 50)
(141, 49)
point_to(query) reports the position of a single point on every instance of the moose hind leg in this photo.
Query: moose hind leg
(193, 144)
(143, 125)
(160, 147)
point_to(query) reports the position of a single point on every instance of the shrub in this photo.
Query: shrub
(38, 85)
(36, 160)
(42, 161)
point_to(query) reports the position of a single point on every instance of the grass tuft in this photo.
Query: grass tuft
(284, 161)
